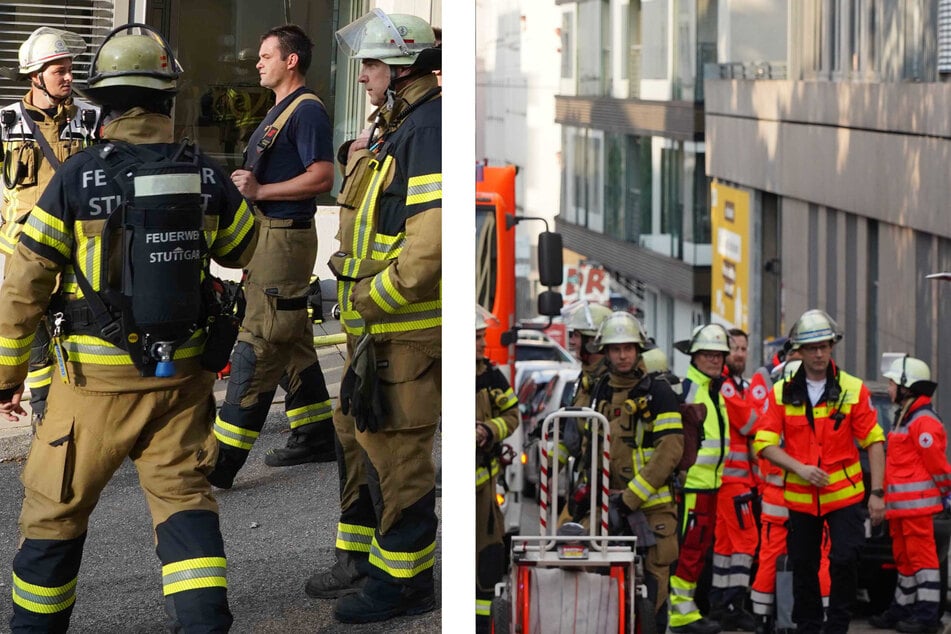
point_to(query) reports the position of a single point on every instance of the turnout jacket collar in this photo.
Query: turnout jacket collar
(65, 110)
(406, 98)
(138, 126)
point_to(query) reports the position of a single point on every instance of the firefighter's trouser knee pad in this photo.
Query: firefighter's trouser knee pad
(45, 572)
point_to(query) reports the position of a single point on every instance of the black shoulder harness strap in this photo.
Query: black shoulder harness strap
(253, 155)
(48, 153)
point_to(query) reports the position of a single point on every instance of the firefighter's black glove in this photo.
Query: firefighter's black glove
(361, 395)
(617, 515)
(623, 521)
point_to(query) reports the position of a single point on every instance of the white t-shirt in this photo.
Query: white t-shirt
(816, 388)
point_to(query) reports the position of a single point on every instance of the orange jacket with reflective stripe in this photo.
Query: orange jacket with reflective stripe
(823, 436)
(917, 473)
(769, 477)
(738, 464)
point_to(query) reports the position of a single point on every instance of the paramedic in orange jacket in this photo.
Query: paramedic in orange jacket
(819, 414)
(773, 512)
(735, 532)
(917, 477)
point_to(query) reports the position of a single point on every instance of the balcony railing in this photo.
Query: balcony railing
(745, 70)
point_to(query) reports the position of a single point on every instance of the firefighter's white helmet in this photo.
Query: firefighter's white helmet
(396, 39)
(484, 318)
(911, 373)
(620, 327)
(712, 338)
(586, 318)
(814, 326)
(46, 45)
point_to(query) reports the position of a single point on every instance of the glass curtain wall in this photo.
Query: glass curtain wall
(221, 101)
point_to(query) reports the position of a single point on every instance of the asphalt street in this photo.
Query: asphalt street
(279, 526)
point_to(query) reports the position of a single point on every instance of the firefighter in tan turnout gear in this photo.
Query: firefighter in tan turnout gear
(133, 340)
(289, 161)
(496, 418)
(647, 443)
(39, 132)
(389, 274)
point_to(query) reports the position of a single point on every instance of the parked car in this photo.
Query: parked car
(544, 372)
(877, 572)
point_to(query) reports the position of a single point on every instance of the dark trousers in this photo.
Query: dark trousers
(847, 533)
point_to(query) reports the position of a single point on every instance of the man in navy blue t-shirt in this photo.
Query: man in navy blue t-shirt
(288, 162)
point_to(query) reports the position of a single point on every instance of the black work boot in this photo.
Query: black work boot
(764, 624)
(736, 618)
(884, 621)
(300, 449)
(379, 601)
(229, 462)
(339, 580)
(910, 626)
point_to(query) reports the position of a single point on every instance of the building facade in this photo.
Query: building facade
(843, 158)
(220, 101)
(634, 190)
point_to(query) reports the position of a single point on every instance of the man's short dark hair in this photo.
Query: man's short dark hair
(738, 332)
(292, 39)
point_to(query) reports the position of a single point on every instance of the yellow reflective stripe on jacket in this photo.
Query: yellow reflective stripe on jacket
(194, 574)
(70, 285)
(483, 474)
(667, 422)
(387, 247)
(852, 473)
(312, 413)
(39, 378)
(484, 607)
(93, 350)
(765, 439)
(89, 254)
(350, 319)
(501, 427)
(352, 322)
(423, 189)
(364, 221)
(9, 236)
(15, 351)
(234, 436)
(231, 236)
(42, 599)
(402, 565)
(50, 231)
(384, 293)
(410, 317)
(641, 487)
(354, 537)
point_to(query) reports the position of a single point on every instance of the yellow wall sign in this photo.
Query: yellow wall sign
(730, 269)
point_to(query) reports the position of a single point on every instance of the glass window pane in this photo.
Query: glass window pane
(91, 19)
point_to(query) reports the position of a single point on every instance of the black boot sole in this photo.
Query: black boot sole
(389, 614)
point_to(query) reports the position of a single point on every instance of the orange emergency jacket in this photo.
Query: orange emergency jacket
(917, 473)
(738, 464)
(822, 436)
(769, 477)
